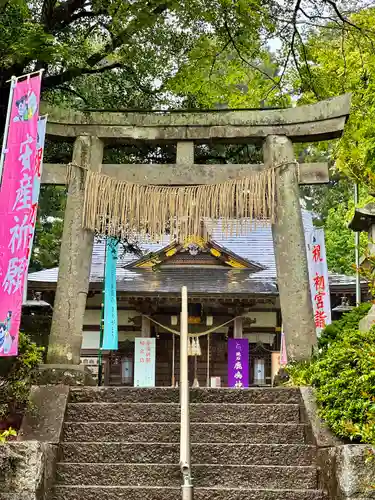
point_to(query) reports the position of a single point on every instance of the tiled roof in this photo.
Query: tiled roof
(255, 245)
(198, 281)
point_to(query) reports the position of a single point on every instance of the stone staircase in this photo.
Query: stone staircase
(123, 444)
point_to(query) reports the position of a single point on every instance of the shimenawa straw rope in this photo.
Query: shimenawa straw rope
(120, 208)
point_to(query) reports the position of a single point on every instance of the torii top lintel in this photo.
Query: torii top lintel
(321, 121)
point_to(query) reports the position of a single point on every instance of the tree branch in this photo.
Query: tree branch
(253, 66)
(342, 18)
(70, 74)
(81, 15)
(74, 92)
(130, 30)
(296, 32)
(47, 11)
(218, 54)
(62, 15)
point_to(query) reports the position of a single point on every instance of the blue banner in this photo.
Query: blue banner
(110, 334)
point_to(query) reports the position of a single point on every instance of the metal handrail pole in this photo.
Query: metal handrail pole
(185, 465)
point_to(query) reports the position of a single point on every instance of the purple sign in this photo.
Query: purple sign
(238, 363)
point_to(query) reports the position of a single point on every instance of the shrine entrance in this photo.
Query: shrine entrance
(205, 369)
(215, 324)
(111, 198)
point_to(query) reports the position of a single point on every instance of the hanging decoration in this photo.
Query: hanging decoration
(198, 347)
(192, 335)
(190, 346)
(119, 208)
(194, 348)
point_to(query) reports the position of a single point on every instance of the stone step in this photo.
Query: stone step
(63, 492)
(162, 432)
(228, 476)
(170, 412)
(207, 453)
(275, 395)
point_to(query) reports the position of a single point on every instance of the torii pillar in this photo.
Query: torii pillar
(290, 251)
(75, 260)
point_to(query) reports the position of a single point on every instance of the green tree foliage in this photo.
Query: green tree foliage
(345, 379)
(342, 60)
(348, 321)
(48, 231)
(93, 51)
(332, 60)
(333, 208)
(207, 51)
(340, 243)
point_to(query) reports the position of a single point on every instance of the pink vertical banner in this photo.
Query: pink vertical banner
(16, 207)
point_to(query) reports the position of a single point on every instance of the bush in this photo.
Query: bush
(8, 434)
(17, 374)
(344, 378)
(348, 321)
(299, 373)
(343, 375)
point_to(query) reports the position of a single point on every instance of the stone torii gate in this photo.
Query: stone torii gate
(276, 130)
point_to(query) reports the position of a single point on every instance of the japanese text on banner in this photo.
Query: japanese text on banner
(238, 363)
(319, 284)
(16, 208)
(144, 365)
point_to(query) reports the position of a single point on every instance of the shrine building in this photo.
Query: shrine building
(233, 292)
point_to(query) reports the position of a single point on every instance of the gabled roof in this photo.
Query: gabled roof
(255, 247)
(212, 253)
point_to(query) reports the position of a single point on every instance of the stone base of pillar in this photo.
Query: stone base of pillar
(65, 374)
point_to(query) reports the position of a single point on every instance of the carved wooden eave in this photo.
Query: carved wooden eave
(315, 122)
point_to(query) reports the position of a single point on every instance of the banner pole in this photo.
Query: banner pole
(27, 75)
(6, 130)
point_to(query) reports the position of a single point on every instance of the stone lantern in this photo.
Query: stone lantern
(364, 221)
